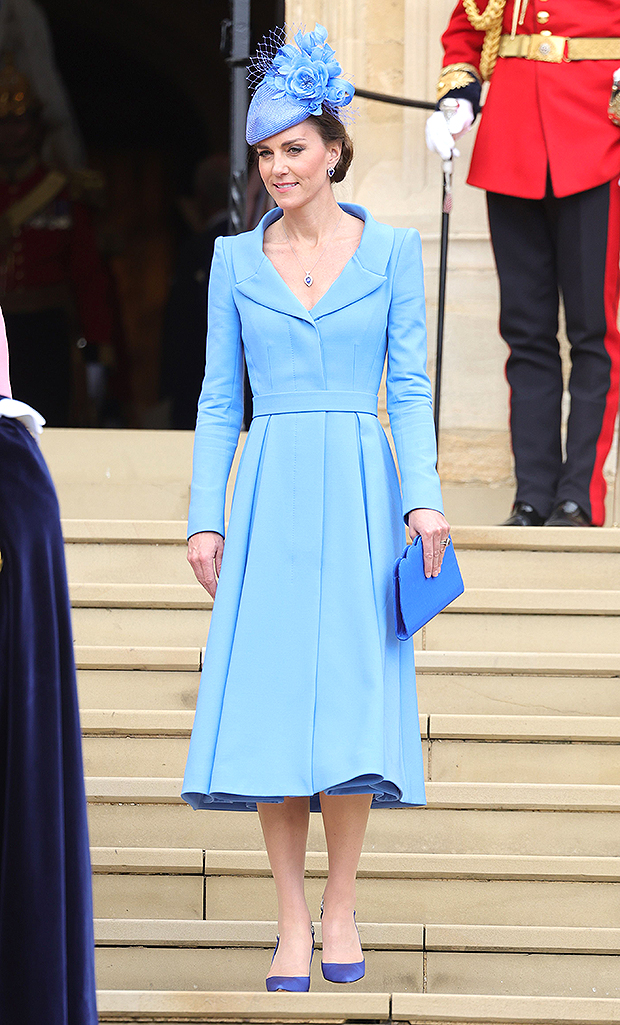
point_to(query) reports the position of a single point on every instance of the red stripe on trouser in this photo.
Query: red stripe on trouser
(598, 487)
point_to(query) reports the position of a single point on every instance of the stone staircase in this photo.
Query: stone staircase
(499, 903)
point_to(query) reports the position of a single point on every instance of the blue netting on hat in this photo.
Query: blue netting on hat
(261, 62)
(293, 82)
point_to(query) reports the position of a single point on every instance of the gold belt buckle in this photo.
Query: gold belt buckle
(547, 48)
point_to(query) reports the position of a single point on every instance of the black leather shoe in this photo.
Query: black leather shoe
(523, 515)
(568, 514)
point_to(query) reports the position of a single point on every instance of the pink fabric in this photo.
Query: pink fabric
(5, 383)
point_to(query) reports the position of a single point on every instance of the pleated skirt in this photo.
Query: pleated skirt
(305, 687)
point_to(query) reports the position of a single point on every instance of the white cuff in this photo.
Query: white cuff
(16, 410)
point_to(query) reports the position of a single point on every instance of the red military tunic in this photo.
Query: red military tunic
(55, 247)
(539, 116)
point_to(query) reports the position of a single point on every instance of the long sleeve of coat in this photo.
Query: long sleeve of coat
(220, 406)
(409, 399)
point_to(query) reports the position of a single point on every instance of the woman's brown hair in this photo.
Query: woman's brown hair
(331, 129)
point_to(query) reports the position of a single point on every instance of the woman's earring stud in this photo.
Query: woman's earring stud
(331, 171)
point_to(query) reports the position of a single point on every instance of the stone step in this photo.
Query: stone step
(197, 861)
(542, 602)
(593, 729)
(394, 936)
(485, 662)
(468, 762)
(465, 1009)
(484, 567)
(146, 756)
(474, 889)
(168, 1007)
(541, 749)
(233, 955)
(484, 601)
(145, 689)
(535, 632)
(547, 961)
(537, 749)
(133, 530)
(144, 552)
(485, 694)
(498, 831)
(165, 1007)
(472, 902)
(584, 729)
(542, 539)
(131, 657)
(476, 796)
(151, 551)
(124, 532)
(120, 474)
(141, 596)
(141, 474)
(448, 692)
(589, 630)
(157, 562)
(140, 627)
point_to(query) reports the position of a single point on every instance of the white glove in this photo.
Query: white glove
(441, 131)
(16, 410)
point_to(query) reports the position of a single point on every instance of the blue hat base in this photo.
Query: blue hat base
(269, 114)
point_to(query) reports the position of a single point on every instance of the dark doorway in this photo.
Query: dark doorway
(151, 92)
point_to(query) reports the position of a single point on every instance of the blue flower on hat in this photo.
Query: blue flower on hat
(309, 72)
(295, 82)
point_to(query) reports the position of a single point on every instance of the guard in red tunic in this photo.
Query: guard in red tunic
(54, 288)
(548, 155)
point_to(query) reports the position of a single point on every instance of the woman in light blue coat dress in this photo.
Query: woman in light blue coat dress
(307, 700)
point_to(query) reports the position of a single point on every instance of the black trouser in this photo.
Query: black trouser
(543, 249)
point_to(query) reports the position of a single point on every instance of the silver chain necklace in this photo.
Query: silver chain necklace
(308, 279)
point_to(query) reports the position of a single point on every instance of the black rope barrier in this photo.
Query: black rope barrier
(399, 101)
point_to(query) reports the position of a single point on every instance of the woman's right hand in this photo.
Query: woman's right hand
(204, 554)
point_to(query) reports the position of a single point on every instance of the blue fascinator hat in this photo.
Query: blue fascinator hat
(293, 82)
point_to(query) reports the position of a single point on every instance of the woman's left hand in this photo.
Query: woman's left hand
(434, 530)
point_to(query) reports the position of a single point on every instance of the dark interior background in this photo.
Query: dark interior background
(150, 89)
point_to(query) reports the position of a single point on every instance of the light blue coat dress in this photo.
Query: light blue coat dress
(305, 687)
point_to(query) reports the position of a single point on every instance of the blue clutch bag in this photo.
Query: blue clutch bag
(417, 599)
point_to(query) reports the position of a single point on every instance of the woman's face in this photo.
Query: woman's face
(293, 165)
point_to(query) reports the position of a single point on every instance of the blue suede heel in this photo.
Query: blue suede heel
(290, 983)
(351, 972)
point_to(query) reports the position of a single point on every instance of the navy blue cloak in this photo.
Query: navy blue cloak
(47, 974)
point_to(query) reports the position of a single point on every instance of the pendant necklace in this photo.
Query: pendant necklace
(308, 279)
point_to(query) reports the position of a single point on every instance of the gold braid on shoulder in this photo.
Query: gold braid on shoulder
(490, 22)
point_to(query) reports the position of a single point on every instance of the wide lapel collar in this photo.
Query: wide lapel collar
(366, 270)
(256, 276)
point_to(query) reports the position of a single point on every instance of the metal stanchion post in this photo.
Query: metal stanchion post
(446, 207)
(239, 51)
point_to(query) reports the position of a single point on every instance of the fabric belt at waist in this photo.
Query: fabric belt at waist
(558, 49)
(315, 402)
